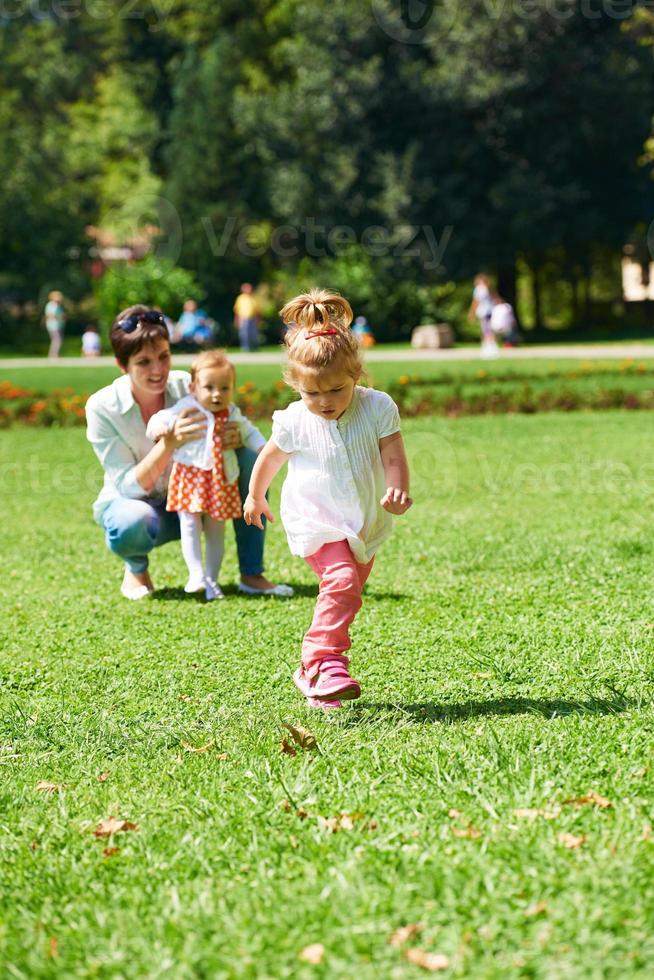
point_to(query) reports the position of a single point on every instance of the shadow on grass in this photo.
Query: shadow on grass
(311, 591)
(177, 594)
(429, 712)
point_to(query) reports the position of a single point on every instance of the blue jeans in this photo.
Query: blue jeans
(248, 334)
(134, 527)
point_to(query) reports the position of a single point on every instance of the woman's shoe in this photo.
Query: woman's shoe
(194, 585)
(134, 591)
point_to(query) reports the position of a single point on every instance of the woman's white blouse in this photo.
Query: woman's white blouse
(116, 430)
(335, 475)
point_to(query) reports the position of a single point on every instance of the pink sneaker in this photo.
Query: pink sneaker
(323, 705)
(332, 682)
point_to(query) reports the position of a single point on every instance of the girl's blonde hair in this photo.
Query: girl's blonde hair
(211, 359)
(319, 336)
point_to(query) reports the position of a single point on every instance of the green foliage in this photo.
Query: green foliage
(154, 282)
(240, 122)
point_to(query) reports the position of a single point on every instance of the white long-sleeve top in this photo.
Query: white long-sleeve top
(199, 451)
(335, 474)
(116, 431)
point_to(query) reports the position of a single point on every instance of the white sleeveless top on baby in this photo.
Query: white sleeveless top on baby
(335, 475)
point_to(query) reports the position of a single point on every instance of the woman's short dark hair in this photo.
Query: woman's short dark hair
(125, 345)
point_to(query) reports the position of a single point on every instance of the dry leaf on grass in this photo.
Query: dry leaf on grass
(288, 808)
(571, 841)
(312, 954)
(590, 799)
(44, 787)
(301, 736)
(343, 821)
(103, 777)
(536, 909)
(198, 748)
(647, 831)
(185, 697)
(112, 825)
(482, 675)
(53, 948)
(454, 813)
(287, 748)
(110, 852)
(638, 773)
(530, 813)
(405, 933)
(428, 961)
(470, 832)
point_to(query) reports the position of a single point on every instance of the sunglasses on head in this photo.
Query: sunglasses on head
(130, 323)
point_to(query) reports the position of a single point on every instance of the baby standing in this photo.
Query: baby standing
(347, 474)
(203, 485)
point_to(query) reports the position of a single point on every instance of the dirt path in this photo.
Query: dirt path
(548, 351)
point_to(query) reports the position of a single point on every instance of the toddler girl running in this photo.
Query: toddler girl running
(203, 485)
(347, 474)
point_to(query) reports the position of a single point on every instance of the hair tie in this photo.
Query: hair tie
(329, 332)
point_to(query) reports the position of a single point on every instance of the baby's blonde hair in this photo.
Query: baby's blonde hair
(210, 359)
(319, 336)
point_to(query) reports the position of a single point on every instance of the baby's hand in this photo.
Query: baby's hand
(253, 509)
(396, 501)
(157, 431)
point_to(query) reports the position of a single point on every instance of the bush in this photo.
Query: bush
(154, 282)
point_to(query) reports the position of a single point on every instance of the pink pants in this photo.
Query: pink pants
(342, 580)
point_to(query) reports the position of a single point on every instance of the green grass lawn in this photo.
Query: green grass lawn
(505, 652)
(87, 379)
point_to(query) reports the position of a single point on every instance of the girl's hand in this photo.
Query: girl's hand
(189, 425)
(396, 501)
(253, 509)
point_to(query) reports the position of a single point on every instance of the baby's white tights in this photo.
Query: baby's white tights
(191, 526)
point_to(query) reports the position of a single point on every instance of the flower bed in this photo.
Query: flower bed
(589, 387)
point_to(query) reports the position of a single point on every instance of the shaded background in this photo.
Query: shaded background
(161, 150)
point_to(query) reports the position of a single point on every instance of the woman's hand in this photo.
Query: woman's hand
(231, 436)
(189, 425)
(253, 509)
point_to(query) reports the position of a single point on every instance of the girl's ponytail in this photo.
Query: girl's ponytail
(319, 336)
(316, 310)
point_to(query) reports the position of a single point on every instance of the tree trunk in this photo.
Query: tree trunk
(588, 303)
(574, 286)
(536, 296)
(506, 286)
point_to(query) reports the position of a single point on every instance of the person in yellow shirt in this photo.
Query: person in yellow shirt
(246, 318)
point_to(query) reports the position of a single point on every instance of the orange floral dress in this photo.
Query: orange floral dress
(205, 491)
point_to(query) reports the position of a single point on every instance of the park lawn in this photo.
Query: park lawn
(453, 374)
(505, 652)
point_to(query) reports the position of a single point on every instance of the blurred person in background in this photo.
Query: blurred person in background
(55, 321)
(363, 332)
(91, 344)
(246, 318)
(482, 308)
